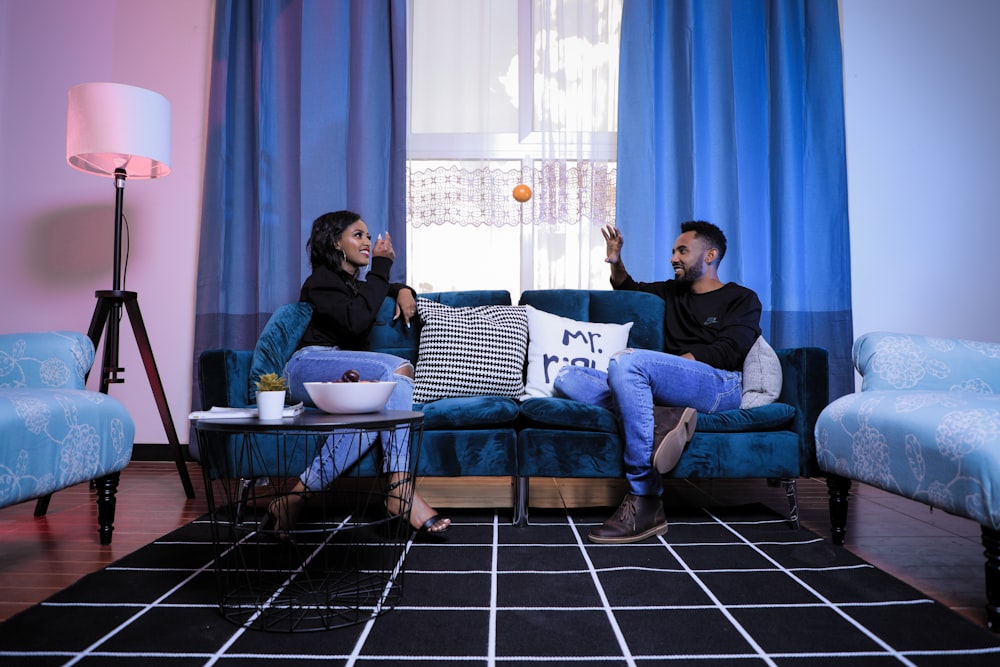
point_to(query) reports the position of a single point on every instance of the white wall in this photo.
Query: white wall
(923, 157)
(56, 225)
(921, 93)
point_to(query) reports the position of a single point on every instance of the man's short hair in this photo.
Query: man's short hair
(707, 232)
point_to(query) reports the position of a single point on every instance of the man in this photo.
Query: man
(709, 328)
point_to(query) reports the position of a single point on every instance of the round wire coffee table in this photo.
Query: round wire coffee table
(343, 562)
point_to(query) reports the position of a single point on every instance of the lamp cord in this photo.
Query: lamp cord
(128, 248)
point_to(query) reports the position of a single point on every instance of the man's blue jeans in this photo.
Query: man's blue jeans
(340, 451)
(638, 379)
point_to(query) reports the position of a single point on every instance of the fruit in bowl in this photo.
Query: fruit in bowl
(349, 397)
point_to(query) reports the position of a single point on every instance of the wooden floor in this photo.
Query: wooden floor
(937, 553)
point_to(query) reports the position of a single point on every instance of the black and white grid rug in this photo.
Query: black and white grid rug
(728, 586)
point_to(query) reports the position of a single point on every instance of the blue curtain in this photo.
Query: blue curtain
(307, 114)
(733, 112)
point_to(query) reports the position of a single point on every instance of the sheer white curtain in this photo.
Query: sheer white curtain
(504, 92)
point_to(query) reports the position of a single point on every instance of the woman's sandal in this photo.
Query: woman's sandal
(271, 522)
(423, 529)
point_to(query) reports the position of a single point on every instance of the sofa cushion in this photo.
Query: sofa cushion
(471, 351)
(554, 342)
(644, 310)
(47, 360)
(770, 417)
(394, 337)
(941, 448)
(277, 342)
(761, 375)
(555, 412)
(469, 412)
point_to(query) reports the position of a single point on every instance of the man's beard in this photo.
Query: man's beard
(690, 274)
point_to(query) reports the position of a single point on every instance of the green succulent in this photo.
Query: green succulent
(271, 382)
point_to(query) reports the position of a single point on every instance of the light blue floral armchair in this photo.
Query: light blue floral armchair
(926, 426)
(54, 433)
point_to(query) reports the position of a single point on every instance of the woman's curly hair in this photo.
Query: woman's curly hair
(322, 243)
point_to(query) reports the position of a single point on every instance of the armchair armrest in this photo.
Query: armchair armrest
(890, 361)
(45, 360)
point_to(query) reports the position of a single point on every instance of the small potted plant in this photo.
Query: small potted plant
(271, 396)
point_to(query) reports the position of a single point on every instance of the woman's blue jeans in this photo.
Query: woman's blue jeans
(635, 381)
(342, 450)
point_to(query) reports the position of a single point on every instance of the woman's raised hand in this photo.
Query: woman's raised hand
(383, 247)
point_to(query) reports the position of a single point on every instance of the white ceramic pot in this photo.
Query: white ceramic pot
(270, 405)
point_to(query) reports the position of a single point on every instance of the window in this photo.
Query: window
(504, 92)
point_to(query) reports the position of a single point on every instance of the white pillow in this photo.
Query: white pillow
(554, 342)
(761, 375)
(471, 351)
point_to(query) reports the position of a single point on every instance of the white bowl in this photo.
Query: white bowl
(349, 397)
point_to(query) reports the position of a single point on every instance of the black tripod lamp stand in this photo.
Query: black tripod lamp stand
(121, 131)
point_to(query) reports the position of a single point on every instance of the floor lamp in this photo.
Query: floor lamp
(120, 132)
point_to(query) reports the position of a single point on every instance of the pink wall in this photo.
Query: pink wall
(56, 229)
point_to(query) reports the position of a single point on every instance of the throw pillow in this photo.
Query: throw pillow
(470, 351)
(277, 341)
(761, 375)
(554, 342)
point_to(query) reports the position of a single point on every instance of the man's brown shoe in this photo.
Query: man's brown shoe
(673, 429)
(637, 518)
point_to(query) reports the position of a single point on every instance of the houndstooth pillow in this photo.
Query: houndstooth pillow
(471, 351)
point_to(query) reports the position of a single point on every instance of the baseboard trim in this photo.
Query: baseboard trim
(157, 452)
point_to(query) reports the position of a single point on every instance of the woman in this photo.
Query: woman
(335, 341)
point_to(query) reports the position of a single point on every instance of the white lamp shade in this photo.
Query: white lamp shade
(113, 126)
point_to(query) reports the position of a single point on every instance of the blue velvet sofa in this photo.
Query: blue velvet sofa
(925, 426)
(54, 433)
(550, 436)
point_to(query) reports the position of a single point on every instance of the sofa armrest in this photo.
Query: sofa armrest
(224, 378)
(806, 386)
